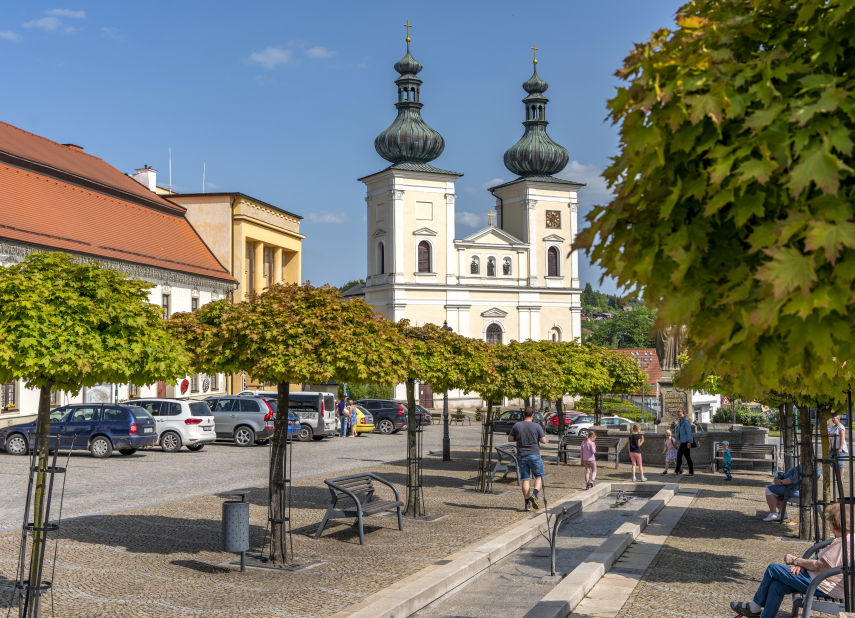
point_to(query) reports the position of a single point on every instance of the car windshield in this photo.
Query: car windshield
(59, 415)
(141, 413)
(200, 408)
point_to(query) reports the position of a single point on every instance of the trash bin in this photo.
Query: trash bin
(236, 528)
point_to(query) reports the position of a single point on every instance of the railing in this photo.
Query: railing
(641, 406)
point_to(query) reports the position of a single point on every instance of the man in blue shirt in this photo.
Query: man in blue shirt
(684, 437)
(528, 436)
(775, 492)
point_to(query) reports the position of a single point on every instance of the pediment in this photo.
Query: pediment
(495, 312)
(553, 238)
(424, 231)
(379, 232)
(491, 235)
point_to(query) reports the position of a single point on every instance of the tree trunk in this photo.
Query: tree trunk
(559, 409)
(806, 489)
(485, 447)
(790, 423)
(40, 497)
(278, 471)
(414, 504)
(823, 416)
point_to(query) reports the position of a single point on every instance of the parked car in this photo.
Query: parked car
(246, 420)
(581, 425)
(552, 421)
(293, 419)
(614, 421)
(422, 415)
(265, 394)
(180, 422)
(101, 428)
(389, 416)
(364, 420)
(317, 414)
(509, 418)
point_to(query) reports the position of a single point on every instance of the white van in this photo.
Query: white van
(180, 422)
(317, 414)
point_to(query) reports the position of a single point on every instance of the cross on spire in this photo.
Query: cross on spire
(408, 25)
(491, 214)
(534, 47)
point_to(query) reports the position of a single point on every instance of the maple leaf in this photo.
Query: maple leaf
(819, 166)
(788, 270)
(831, 237)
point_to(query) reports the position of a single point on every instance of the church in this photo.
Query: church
(517, 278)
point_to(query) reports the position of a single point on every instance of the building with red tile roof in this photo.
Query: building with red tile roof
(649, 361)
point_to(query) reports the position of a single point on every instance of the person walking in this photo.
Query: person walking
(635, 442)
(837, 441)
(670, 450)
(528, 437)
(344, 416)
(588, 455)
(684, 437)
(724, 449)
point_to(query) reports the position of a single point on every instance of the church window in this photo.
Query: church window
(381, 265)
(475, 266)
(164, 303)
(555, 334)
(553, 218)
(494, 333)
(424, 257)
(194, 304)
(506, 267)
(552, 262)
(491, 267)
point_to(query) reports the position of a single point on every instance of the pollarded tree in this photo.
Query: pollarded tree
(625, 376)
(294, 334)
(519, 371)
(65, 325)
(445, 361)
(735, 185)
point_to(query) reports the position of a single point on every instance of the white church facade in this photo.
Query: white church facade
(517, 278)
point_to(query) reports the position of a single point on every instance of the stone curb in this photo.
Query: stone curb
(562, 599)
(413, 593)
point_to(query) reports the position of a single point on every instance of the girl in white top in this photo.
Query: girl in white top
(670, 450)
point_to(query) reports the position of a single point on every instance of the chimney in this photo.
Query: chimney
(74, 146)
(146, 176)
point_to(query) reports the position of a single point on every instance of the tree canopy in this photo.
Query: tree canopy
(627, 329)
(734, 192)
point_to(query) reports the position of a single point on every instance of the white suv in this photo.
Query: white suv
(180, 422)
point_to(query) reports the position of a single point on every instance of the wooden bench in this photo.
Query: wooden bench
(605, 445)
(754, 454)
(459, 418)
(436, 416)
(358, 488)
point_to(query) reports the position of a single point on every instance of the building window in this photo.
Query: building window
(164, 303)
(555, 334)
(249, 273)
(553, 218)
(506, 267)
(215, 382)
(552, 262)
(55, 399)
(494, 333)
(194, 383)
(243, 382)
(424, 257)
(133, 391)
(268, 265)
(475, 266)
(194, 304)
(8, 396)
(491, 267)
(381, 259)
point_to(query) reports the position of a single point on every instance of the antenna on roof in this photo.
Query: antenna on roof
(170, 170)
(203, 177)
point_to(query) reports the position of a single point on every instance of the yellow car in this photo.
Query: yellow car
(364, 420)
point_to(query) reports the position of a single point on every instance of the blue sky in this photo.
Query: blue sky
(282, 100)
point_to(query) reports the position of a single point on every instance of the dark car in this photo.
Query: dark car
(293, 419)
(101, 428)
(509, 418)
(422, 415)
(389, 416)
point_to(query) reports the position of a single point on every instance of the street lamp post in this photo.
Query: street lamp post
(446, 439)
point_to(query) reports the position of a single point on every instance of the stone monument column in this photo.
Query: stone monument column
(669, 346)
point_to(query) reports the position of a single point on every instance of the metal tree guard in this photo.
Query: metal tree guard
(415, 463)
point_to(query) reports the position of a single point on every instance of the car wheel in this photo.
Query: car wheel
(195, 447)
(306, 434)
(385, 426)
(244, 436)
(322, 437)
(16, 444)
(262, 442)
(583, 433)
(170, 442)
(101, 447)
(127, 451)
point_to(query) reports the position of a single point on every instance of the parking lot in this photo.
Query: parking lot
(153, 476)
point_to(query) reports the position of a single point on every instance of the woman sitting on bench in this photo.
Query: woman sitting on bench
(780, 580)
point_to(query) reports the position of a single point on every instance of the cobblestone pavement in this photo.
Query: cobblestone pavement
(716, 554)
(150, 477)
(164, 560)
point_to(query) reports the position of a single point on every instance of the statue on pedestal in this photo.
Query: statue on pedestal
(669, 346)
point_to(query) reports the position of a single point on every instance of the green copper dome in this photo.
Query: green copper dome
(536, 154)
(409, 139)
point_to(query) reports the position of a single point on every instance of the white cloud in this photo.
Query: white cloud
(9, 35)
(272, 56)
(66, 13)
(596, 190)
(319, 52)
(365, 217)
(112, 33)
(469, 219)
(45, 23)
(325, 217)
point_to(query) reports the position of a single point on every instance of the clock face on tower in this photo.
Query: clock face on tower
(553, 218)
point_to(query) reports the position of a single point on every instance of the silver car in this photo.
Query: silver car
(246, 420)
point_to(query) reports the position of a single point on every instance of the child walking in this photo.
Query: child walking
(724, 448)
(589, 459)
(670, 450)
(635, 442)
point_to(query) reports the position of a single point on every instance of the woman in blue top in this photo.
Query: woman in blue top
(684, 437)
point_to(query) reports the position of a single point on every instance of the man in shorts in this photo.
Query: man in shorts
(528, 436)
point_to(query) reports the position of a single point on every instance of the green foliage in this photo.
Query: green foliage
(626, 377)
(628, 329)
(376, 391)
(605, 303)
(519, 370)
(734, 192)
(610, 405)
(578, 371)
(350, 284)
(67, 325)
(744, 416)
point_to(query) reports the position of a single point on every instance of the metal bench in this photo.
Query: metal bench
(459, 418)
(507, 462)
(754, 454)
(606, 445)
(810, 603)
(360, 489)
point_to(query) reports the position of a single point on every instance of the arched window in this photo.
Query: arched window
(424, 257)
(491, 267)
(494, 333)
(555, 334)
(381, 259)
(506, 267)
(552, 262)
(475, 266)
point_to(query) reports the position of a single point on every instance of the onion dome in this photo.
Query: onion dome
(536, 154)
(409, 139)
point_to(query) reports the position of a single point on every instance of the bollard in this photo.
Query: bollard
(236, 528)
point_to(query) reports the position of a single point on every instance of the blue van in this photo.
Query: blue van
(101, 428)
